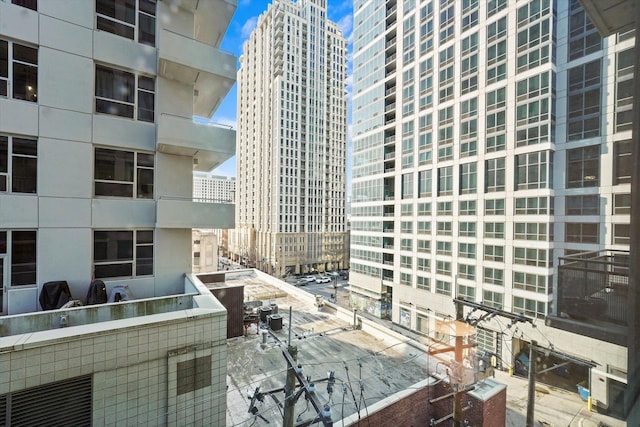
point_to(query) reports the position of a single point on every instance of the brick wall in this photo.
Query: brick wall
(416, 411)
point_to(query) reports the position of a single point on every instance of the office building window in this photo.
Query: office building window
(529, 307)
(532, 256)
(443, 228)
(621, 233)
(133, 19)
(582, 205)
(18, 71)
(495, 276)
(445, 181)
(443, 248)
(443, 287)
(583, 167)
(445, 208)
(533, 170)
(424, 227)
(495, 6)
(468, 178)
(121, 93)
(494, 207)
(18, 164)
(405, 245)
(583, 105)
(406, 261)
(494, 230)
(494, 175)
(533, 206)
(621, 204)
(467, 207)
(467, 250)
(494, 253)
(623, 162)
(467, 229)
(443, 267)
(534, 35)
(423, 264)
(406, 279)
(424, 246)
(407, 185)
(582, 232)
(624, 89)
(492, 299)
(467, 293)
(423, 283)
(122, 253)
(424, 183)
(123, 173)
(23, 255)
(406, 227)
(532, 282)
(467, 271)
(532, 231)
(496, 121)
(424, 208)
(583, 35)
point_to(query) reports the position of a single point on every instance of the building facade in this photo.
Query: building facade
(213, 188)
(490, 140)
(97, 150)
(291, 150)
(97, 157)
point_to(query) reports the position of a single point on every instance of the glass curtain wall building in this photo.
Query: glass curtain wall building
(490, 139)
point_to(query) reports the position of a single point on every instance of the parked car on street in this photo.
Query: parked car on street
(323, 279)
(310, 278)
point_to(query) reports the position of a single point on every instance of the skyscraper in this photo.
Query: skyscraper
(491, 140)
(291, 150)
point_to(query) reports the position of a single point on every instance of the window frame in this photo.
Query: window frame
(20, 168)
(140, 92)
(141, 11)
(140, 244)
(139, 190)
(20, 68)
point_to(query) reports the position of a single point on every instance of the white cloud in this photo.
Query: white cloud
(248, 27)
(346, 25)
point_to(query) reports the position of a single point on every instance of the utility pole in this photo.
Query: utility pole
(457, 398)
(531, 398)
(289, 389)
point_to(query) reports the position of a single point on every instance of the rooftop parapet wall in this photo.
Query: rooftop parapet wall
(196, 297)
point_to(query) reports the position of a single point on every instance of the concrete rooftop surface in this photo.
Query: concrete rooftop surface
(369, 365)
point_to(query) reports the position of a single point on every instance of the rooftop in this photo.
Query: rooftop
(370, 362)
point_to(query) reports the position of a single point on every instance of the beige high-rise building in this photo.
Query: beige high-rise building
(292, 142)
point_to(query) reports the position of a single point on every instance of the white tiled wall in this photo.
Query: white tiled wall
(129, 367)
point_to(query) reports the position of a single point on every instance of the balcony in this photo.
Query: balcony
(211, 18)
(177, 212)
(593, 292)
(209, 145)
(211, 71)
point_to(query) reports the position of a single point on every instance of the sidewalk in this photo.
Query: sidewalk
(553, 406)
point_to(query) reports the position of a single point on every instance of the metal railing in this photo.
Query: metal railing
(593, 286)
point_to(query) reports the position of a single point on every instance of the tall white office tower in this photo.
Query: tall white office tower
(291, 147)
(491, 140)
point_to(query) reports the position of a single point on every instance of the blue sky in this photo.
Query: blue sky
(241, 26)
